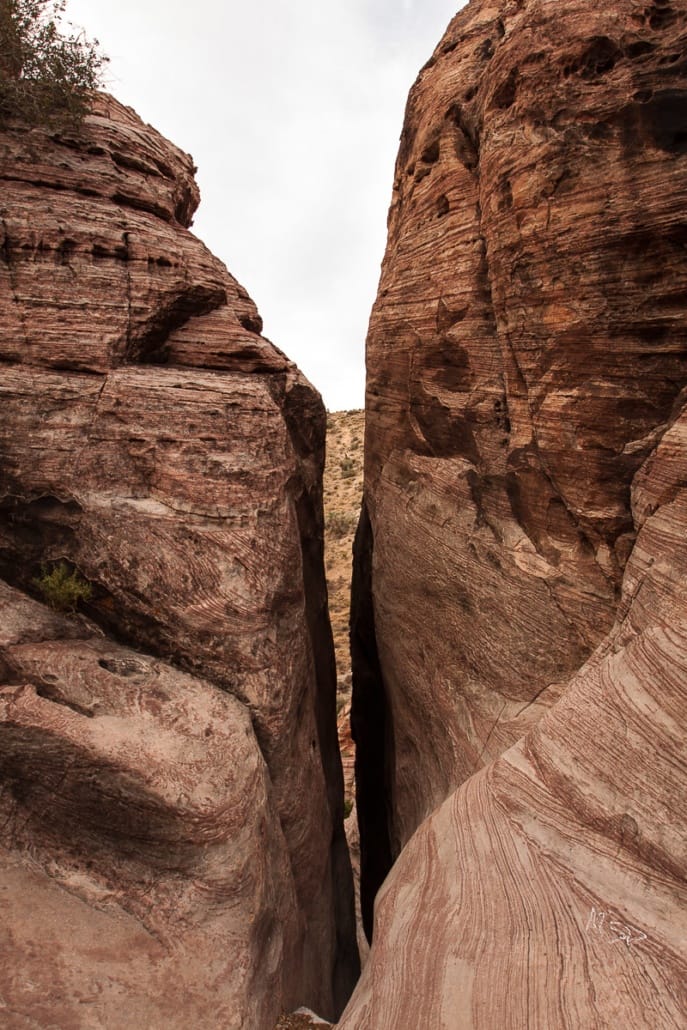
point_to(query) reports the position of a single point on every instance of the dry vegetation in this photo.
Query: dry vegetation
(299, 1021)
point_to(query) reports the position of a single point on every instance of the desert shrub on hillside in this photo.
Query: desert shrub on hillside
(340, 523)
(348, 467)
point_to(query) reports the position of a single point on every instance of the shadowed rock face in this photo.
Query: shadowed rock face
(526, 351)
(177, 792)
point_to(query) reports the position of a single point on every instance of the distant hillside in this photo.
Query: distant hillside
(343, 489)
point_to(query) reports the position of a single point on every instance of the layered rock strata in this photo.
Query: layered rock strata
(525, 353)
(155, 441)
(549, 890)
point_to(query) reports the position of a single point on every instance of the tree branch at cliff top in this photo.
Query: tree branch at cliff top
(46, 76)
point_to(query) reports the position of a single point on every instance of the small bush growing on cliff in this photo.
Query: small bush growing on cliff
(63, 588)
(46, 77)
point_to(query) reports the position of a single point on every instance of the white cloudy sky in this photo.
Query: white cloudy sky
(292, 111)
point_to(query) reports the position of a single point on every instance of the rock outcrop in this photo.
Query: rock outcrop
(172, 841)
(549, 890)
(519, 621)
(525, 355)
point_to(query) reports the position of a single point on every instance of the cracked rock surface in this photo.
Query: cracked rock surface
(526, 362)
(170, 783)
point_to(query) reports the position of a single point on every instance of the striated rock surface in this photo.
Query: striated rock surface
(181, 786)
(140, 848)
(549, 890)
(525, 354)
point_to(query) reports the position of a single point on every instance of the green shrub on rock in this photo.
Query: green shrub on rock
(63, 588)
(46, 76)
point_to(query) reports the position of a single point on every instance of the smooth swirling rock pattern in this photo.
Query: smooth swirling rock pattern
(525, 351)
(519, 618)
(140, 847)
(549, 890)
(152, 438)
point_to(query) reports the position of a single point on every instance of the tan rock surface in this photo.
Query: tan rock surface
(549, 890)
(152, 438)
(526, 346)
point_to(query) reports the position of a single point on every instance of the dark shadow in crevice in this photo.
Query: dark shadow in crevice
(305, 419)
(371, 728)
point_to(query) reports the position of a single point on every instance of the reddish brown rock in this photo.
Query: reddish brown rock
(152, 438)
(139, 847)
(549, 890)
(525, 350)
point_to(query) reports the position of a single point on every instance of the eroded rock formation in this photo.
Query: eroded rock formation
(171, 785)
(549, 890)
(525, 350)
(522, 545)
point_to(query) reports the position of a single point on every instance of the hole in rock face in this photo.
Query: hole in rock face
(660, 15)
(431, 152)
(122, 666)
(442, 206)
(52, 693)
(252, 323)
(666, 119)
(65, 251)
(465, 139)
(485, 50)
(149, 342)
(599, 58)
(639, 49)
(505, 195)
(504, 97)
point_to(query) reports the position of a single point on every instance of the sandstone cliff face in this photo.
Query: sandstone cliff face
(177, 792)
(549, 890)
(525, 355)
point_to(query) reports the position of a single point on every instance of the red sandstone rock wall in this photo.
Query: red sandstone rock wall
(549, 890)
(181, 798)
(525, 353)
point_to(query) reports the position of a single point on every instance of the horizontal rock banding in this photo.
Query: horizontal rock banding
(154, 441)
(524, 484)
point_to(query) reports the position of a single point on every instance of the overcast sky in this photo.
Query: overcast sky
(292, 112)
